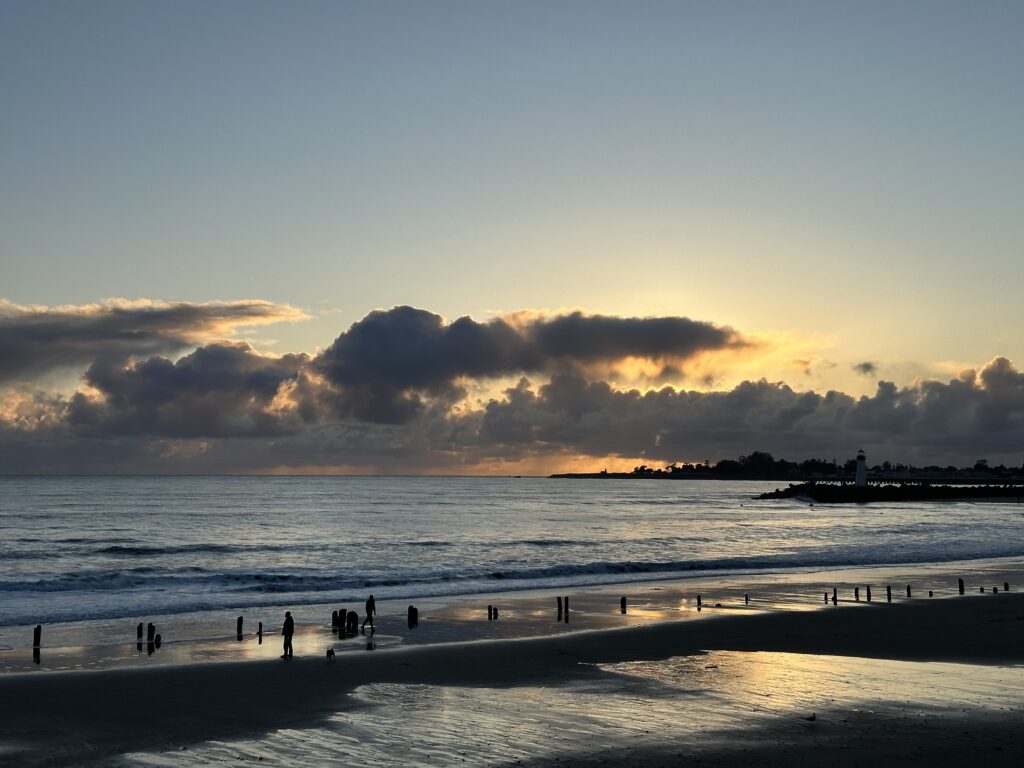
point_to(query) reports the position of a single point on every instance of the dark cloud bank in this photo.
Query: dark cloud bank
(390, 395)
(36, 340)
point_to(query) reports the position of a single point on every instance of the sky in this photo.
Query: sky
(474, 237)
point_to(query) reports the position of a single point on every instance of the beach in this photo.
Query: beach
(936, 679)
(731, 650)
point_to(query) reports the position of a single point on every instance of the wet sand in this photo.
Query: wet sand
(643, 693)
(209, 637)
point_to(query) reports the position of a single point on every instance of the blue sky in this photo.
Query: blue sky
(838, 180)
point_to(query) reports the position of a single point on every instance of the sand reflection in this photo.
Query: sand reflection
(682, 705)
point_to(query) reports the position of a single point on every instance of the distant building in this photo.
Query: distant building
(861, 478)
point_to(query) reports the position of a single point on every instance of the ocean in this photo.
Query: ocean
(78, 548)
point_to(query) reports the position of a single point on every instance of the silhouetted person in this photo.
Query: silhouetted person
(287, 630)
(371, 608)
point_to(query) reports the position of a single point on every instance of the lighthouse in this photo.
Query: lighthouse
(861, 478)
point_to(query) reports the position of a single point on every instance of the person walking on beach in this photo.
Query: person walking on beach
(288, 629)
(371, 608)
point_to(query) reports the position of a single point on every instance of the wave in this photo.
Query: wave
(195, 579)
(183, 549)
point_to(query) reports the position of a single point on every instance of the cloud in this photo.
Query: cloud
(391, 395)
(386, 364)
(971, 415)
(219, 390)
(867, 368)
(35, 339)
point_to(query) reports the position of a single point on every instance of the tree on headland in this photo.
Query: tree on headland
(763, 465)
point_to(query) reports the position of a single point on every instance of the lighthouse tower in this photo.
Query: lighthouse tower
(861, 478)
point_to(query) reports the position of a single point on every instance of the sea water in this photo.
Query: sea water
(81, 548)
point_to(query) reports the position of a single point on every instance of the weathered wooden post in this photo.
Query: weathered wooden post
(150, 632)
(960, 585)
(1006, 586)
(908, 590)
(495, 613)
(559, 599)
(138, 631)
(37, 636)
(826, 596)
(856, 594)
(490, 613)
(352, 624)
(888, 593)
(835, 595)
(334, 621)
(698, 602)
(930, 593)
(982, 590)
(622, 605)
(746, 599)
(238, 629)
(995, 590)
(414, 617)
(156, 641)
(565, 600)
(869, 592)
(259, 633)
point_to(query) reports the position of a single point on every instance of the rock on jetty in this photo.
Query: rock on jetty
(831, 493)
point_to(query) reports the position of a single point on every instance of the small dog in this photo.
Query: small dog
(330, 655)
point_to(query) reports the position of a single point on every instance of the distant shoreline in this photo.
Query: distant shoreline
(923, 480)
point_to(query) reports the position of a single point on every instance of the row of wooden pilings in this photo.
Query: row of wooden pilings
(888, 592)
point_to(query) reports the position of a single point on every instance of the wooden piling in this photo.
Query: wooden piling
(622, 605)
(150, 632)
(413, 617)
(259, 632)
(826, 596)
(138, 631)
(908, 590)
(37, 636)
(835, 595)
(559, 599)
(960, 585)
(238, 628)
(930, 593)
(495, 613)
(746, 599)
(157, 640)
(888, 594)
(856, 594)
(982, 590)
(1006, 586)
(869, 593)
(698, 602)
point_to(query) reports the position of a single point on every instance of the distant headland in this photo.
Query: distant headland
(761, 465)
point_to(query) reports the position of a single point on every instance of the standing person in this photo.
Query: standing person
(288, 629)
(371, 608)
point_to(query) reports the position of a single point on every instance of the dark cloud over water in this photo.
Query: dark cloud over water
(385, 363)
